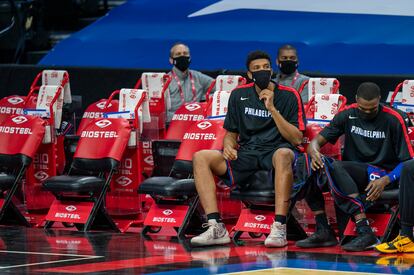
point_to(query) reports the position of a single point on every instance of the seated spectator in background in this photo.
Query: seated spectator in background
(375, 147)
(186, 85)
(264, 125)
(288, 75)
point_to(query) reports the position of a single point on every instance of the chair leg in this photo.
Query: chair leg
(236, 237)
(391, 226)
(101, 220)
(48, 224)
(193, 206)
(10, 215)
(99, 217)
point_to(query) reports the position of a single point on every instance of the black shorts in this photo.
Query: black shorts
(249, 162)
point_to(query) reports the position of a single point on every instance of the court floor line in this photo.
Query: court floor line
(79, 258)
(46, 253)
(262, 271)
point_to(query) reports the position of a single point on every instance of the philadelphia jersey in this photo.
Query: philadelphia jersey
(382, 142)
(248, 116)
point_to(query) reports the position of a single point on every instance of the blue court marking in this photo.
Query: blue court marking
(292, 263)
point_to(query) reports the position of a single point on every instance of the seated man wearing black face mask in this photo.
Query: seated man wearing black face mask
(376, 145)
(264, 124)
(186, 85)
(288, 75)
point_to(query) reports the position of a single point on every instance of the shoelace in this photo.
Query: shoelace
(279, 232)
(208, 231)
(397, 239)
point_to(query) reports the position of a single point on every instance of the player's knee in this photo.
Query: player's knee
(283, 157)
(337, 164)
(200, 158)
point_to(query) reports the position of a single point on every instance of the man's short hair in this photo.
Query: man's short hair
(257, 55)
(286, 47)
(368, 91)
(176, 44)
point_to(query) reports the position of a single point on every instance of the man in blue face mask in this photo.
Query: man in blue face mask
(264, 124)
(288, 62)
(186, 85)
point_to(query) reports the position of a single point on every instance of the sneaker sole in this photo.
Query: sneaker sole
(324, 244)
(363, 249)
(387, 251)
(391, 251)
(215, 242)
(275, 246)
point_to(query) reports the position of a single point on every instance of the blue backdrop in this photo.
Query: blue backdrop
(339, 38)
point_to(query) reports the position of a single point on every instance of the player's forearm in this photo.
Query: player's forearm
(288, 131)
(230, 139)
(316, 144)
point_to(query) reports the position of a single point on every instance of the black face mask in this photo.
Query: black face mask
(364, 116)
(288, 66)
(261, 78)
(182, 62)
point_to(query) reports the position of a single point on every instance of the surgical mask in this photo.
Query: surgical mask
(288, 66)
(365, 116)
(182, 62)
(262, 78)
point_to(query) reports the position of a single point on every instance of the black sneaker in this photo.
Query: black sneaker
(365, 241)
(321, 238)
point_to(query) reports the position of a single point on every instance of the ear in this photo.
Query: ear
(171, 61)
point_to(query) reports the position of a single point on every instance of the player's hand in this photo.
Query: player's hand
(229, 153)
(375, 188)
(316, 162)
(267, 96)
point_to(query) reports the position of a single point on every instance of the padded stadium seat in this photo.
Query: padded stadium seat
(76, 184)
(259, 189)
(389, 196)
(168, 186)
(6, 181)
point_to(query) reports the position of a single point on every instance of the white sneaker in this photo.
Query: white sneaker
(215, 234)
(277, 236)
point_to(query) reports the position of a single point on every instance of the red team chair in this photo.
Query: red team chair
(123, 201)
(80, 199)
(48, 160)
(54, 90)
(175, 196)
(20, 138)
